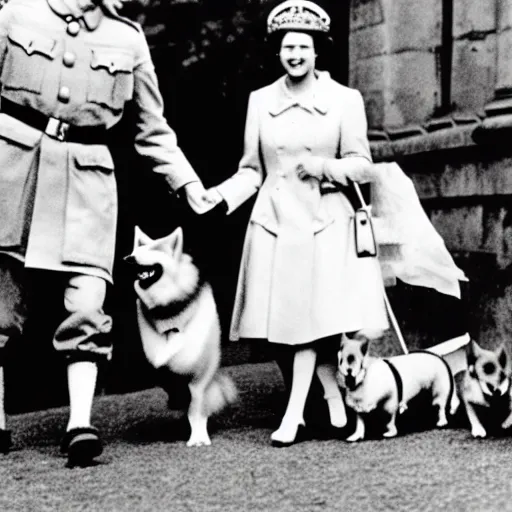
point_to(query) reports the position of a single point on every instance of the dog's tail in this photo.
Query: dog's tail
(220, 393)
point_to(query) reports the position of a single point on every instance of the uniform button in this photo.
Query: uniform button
(69, 59)
(73, 28)
(64, 94)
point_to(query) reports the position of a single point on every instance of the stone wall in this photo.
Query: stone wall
(436, 78)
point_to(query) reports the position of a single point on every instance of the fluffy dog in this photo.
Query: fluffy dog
(179, 326)
(486, 389)
(387, 385)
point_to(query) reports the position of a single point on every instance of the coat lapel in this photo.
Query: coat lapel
(283, 100)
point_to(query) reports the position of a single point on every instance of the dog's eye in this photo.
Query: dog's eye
(489, 368)
(350, 359)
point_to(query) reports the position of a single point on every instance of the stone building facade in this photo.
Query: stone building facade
(437, 81)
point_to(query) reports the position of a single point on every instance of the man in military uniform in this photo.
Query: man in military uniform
(67, 69)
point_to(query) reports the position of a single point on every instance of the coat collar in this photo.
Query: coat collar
(317, 101)
(78, 9)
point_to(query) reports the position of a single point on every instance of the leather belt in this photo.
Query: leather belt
(53, 127)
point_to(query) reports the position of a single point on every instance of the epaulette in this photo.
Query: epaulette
(113, 14)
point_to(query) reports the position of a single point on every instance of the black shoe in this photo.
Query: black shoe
(82, 445)
(300, 435)
(5, 441)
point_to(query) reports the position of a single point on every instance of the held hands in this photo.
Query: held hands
(212, 195)
(201, 200)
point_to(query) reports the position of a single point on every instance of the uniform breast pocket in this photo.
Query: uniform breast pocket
(110, 78)
(28, 59)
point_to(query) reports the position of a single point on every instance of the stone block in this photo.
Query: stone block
(461, 228)
(413, 24)
(473, 73)
(369, 74)
(465, 179)
(470, 16)
(504, 68)
(504, 8)
(368, 42)
(366, 13)
(412, 89)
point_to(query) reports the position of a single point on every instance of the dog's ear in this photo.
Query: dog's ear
(473, 352)
(174, 243)
(365, 345)
(502, 356)
(140, 238)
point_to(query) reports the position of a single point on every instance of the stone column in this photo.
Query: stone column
(393, 59)
(474, 54)
(502, 101)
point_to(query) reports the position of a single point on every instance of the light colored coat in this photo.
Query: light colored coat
(300, 278)
(58, 200)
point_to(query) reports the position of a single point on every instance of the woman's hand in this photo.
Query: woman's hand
(198, 198)
(212, 196)
(311, 167)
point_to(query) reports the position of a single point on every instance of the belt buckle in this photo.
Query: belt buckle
(57, 129)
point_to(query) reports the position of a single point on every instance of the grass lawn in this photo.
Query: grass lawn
(146, 465)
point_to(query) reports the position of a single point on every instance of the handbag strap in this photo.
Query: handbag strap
(391, 314)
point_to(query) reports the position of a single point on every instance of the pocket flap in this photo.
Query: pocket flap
(32, 43)
(112, 62)
(15, 131)
(94, 158)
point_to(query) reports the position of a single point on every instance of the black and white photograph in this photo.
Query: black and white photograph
(255, 255)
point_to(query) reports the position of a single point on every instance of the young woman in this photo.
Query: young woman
(301, 282)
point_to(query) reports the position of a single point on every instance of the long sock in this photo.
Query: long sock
(81, 386)
(3, 421)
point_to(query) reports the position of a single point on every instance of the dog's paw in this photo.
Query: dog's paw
(199, 441)
(507, 423)
(390, 432)
(442, 423)
(478, 432)
(356, 436)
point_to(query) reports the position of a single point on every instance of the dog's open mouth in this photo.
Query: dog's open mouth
(350, 382)
(148, 275)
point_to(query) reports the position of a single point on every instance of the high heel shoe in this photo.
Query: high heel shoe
(300, 435)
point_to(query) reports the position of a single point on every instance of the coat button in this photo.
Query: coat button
(69, 59)
(73, 28)
(64, 94)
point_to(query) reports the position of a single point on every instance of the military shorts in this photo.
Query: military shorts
(84, 332)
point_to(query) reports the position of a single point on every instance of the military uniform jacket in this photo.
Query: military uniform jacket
(80, 64)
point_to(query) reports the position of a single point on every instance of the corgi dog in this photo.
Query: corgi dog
(179, 326)
(387, 385)
(485, 389)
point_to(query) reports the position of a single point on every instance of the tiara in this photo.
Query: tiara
(298, 15)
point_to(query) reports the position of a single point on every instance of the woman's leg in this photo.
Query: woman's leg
(303, 369)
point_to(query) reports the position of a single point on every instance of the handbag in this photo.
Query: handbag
(366, 245)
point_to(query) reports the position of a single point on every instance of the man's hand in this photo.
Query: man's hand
(197, 197)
